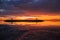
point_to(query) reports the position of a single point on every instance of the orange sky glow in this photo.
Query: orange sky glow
(41, 17)
(49, 18)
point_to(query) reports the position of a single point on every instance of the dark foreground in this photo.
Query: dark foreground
(13, 33)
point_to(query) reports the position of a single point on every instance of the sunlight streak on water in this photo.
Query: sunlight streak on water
(46, 23)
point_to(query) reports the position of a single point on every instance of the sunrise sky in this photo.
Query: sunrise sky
(30, 8)
(20, 9)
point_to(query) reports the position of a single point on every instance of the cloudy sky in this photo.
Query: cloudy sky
(9, 7)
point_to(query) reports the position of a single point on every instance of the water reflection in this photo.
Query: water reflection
(45, 23)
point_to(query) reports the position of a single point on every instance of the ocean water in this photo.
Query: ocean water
(48, 30)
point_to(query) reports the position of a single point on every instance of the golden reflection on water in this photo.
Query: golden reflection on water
(45, 23)
(48, 20)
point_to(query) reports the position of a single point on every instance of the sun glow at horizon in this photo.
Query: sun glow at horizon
(41, 17)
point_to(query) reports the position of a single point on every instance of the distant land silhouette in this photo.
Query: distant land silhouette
(23, 20)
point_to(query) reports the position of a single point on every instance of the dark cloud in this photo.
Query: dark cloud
(32, 5)
(13, 12)
(48, 5)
